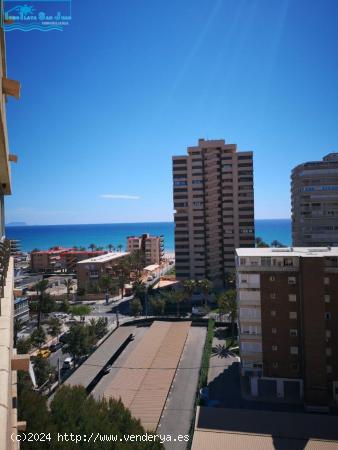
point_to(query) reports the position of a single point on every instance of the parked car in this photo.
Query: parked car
(107, 369)
(68, 363)
(54, 347)
(63, 338)
(44, 352)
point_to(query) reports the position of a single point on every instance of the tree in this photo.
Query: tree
(98, 327)
(40, 288)
(137, 262)
(230, 279)
(18, 326)
(157, 305)
(276, 243)
(139, 289)
(205, 286)
(69, 283)
(110, 247)
(227, 305)
(135, 307)
(92, 247)
(73, 411)
(42, 370)
(54, 327)
(175, 297)
(23, 346)
(189, 287)
(119, 247)
(123, 274)
(79, 341)
(38, 337)
(260, 243)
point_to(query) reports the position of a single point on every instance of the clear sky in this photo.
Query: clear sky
(129, 83)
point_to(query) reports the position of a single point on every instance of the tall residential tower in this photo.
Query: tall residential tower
(314, 191)
(214, 209)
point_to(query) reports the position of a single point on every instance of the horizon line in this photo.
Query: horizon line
(110, 223)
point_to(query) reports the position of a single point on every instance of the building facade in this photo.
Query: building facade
(151, 247)
(214, 209)
(288, 322)
(59, 259)
(10, 362)
(90, 271)
(314, 198)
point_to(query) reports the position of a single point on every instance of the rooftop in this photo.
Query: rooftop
(288, 251)
(263, 430)
(104, 258)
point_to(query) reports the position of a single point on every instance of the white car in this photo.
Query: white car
(68, 363)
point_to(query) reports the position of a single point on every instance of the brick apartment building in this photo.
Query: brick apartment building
(151, 247)
(214, 209)
(288, 322)
(314, 190)
(60, 259)
(91, 270)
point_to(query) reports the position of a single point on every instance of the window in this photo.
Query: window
(294, 350)
(327, 298)
(275, 365)
(272, 278)
(274, 330)
(273, 295)
(293, 332)
(328, 333)
(293, 315)
(328, 351)
(291, 280)
(273, 313)
(274, 348)
(326, 280)
(242, 262)
(327, 315)
(292, 297)
(294, 367)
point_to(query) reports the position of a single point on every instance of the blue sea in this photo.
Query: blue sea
(46, 236)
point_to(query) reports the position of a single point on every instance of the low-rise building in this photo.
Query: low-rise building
(91, 270)
(151, 247)
(21, 309)
(60, 259)
(288, 323)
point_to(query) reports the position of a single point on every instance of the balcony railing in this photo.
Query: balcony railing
(5, 253)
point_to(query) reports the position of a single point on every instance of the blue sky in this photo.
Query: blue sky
(129, 83)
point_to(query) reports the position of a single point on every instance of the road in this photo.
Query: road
(179, 409)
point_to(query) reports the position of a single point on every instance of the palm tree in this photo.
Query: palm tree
(40, 288)
(110, 247)
(189, 287)
(54, 327)
(230, 279)
(176, 297)
(205, 286)
(119, 247)
(276, 243)
(18, 325)
(92, 247)
(69, 283)
(227, 304)
(260, 243)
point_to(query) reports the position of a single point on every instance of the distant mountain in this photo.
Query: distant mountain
(16, 224)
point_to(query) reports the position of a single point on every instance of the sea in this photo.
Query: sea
(43, 237)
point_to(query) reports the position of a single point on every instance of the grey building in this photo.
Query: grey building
(314, 201)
